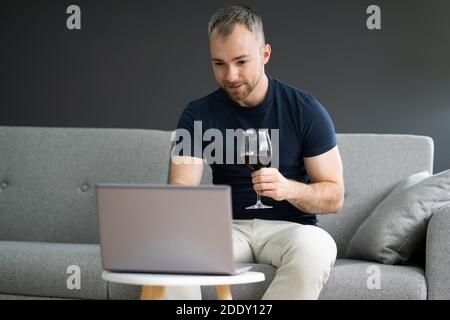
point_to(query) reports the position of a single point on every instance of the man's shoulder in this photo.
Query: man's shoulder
(298, 100)
(292, 92)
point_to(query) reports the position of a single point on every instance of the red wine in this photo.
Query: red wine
(255, 162)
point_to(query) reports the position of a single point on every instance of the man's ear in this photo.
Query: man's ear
(267, 50)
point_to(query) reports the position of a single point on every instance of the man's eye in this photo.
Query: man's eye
(241, 62)
(218, 64)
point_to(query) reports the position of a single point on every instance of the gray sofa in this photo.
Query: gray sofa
(48, 219)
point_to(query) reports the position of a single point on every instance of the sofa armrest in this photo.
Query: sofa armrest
(437, 267)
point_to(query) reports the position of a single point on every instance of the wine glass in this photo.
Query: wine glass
(256, 152)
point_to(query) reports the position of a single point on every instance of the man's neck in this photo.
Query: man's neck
(258, 94)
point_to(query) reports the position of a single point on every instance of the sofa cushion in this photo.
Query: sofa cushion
(363, 280)
(396, 229)
(42, 269)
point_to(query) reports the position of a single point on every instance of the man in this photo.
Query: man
(309, 180)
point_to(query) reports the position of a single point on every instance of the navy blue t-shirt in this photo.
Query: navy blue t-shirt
(305, 130)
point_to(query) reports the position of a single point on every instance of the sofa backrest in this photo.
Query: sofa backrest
(48, 176)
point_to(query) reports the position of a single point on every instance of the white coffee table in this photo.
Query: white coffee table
(154, 284)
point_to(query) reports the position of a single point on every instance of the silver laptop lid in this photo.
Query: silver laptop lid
(165, 228)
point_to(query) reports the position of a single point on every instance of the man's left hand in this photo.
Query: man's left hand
(269, 182)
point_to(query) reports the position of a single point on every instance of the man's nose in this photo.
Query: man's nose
(232, 74)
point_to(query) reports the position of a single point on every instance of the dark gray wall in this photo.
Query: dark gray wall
(136, 64)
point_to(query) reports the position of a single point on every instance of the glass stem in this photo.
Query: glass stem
(258, 198)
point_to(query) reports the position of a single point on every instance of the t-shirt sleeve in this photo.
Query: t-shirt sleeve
(187, 142)
(318, 133)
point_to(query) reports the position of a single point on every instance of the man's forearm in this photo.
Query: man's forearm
(316, 198)
(186, 171)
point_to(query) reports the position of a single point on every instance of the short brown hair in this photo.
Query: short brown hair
(224, 20)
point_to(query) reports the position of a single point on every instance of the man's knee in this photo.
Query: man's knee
(311, 245)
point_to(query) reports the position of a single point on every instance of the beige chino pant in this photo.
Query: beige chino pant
(302, 254)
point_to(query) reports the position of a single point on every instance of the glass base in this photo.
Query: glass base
(259, 205)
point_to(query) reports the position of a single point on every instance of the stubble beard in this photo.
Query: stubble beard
(244, 95)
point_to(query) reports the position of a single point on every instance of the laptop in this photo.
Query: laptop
(166, 229)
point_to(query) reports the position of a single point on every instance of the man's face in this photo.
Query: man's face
(238, 61)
